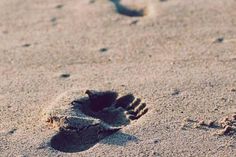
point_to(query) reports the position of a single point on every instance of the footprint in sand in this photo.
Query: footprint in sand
(226, 126)
(134, 8)
(84, 121)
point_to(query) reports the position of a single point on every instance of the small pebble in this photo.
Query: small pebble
(155, 141)
(103, 50)
(134, 22)
(59, 6)
(175, 92)
(226, 130)
(26, 45)
(54, 19)
(12, 131)
(65, 75)
(220, 40)
(211, 123)
(201, 123)
(233, 90)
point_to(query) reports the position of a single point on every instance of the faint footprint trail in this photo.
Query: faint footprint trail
(134, 11)
(226, 126)
(84, 121)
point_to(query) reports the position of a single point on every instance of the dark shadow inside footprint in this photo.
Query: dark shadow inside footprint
(113, 112)
(100, 100)
(70, 143)
(110, 109)
(121, 9)
(67, 143)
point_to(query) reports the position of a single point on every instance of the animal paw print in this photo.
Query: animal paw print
(85, 121)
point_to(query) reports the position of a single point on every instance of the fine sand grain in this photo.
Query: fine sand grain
(118, 78)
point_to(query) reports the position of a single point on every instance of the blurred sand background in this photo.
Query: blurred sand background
(177, 55)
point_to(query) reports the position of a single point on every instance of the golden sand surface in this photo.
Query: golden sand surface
(175, 59)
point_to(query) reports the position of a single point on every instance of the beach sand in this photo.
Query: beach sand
(177, 56)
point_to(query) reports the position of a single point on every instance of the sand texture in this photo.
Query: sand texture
(118, 78)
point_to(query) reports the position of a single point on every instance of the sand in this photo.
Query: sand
(177, 56)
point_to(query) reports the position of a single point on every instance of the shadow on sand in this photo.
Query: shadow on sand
(123, 10)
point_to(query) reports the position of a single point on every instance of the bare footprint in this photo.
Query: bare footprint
(134, 9)
(84, 121)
